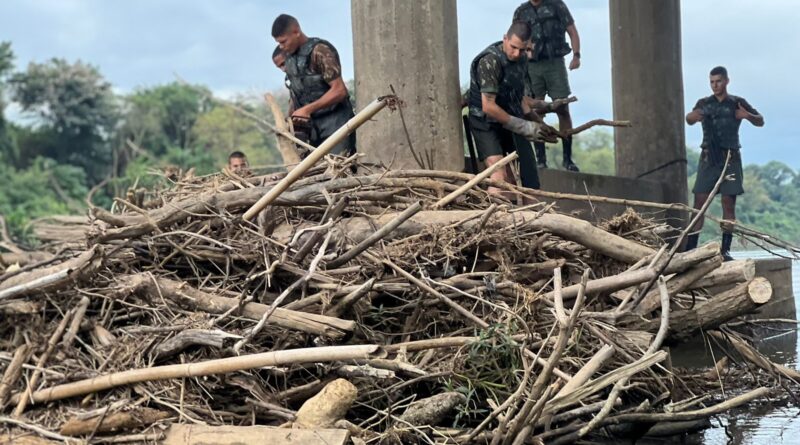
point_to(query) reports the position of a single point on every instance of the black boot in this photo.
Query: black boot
(568, 163)
(725, 250)
(541, 154)
(691, 241)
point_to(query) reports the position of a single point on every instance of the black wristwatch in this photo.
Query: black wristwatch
(577, 54)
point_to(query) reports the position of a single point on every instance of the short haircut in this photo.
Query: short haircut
(719, 71)
(237, 155)
(283, 24)
(520, 29)
(277, 52)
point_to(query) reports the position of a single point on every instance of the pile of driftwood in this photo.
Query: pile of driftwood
(322, 306)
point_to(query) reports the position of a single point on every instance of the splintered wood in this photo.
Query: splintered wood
(378, 307)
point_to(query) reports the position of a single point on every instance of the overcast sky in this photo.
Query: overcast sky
(226, 45)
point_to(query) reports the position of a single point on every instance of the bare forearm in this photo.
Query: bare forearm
(495, 112)
(332, 97)
(574, 38)
(756, 119)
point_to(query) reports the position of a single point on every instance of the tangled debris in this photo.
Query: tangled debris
(385, 306)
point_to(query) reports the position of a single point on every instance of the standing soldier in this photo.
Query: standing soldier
(550, 20)
(314, 76)
(721, 115)
(497, 104)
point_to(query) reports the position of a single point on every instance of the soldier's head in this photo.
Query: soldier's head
(516, 40)
(279, 58)
(286, 31)
(237, 163)
(719, 80)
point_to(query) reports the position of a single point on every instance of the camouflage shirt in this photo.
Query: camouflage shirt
(490, 73)
(549, 22)
(325, 61)
(720, 126)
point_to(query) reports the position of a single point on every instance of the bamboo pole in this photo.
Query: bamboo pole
(323, 149)
(210, 367)
(474, 181)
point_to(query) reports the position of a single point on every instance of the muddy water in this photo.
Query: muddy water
(763, 424)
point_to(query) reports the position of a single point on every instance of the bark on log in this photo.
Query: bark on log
(732, 272)
(191, 337)
(195, 299)
(328, 407)
(53, 278)
(741, 300)
(358, 229)
(112, 423)
(679, 263)
(210, 367)
(679, 283)
(431, 410)
(12, 373)
(285, 146)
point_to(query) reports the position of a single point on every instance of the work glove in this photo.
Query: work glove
(532, 131)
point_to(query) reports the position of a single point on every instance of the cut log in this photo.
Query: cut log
(679, 263)
(195, 299)
(238, 435)
(53, 278)
(327, 407)
(732, 272)
(112, 423)
(741, 300)
(679, 283)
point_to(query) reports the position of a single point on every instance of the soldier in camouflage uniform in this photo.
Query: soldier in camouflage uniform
(497, 104)
(721, 115)
(550, 20)
(314, 76)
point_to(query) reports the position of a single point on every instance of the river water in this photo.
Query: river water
(763, 424)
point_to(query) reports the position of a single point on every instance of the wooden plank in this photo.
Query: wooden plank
(256, 435)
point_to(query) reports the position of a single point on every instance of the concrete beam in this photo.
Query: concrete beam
(648, 91)
(412, 46)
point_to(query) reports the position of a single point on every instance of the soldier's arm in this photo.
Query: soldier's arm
(489, 80)
(324, 61)
(696, 115)
(749, 113)
(572, 32)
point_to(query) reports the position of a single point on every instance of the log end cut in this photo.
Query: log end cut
(760, 290)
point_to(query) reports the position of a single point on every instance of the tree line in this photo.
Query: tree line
(78, 133)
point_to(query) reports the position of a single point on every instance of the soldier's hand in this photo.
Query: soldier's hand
(741, 113)
(697, 115)
(547, 134)
(575, 63)
(301, 113)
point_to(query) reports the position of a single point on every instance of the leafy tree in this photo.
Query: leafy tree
(223, 130)
(77, 110)
(163, 116)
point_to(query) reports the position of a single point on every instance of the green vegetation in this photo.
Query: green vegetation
(80, 133)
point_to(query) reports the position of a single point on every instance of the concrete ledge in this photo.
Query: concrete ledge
(561, 181)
